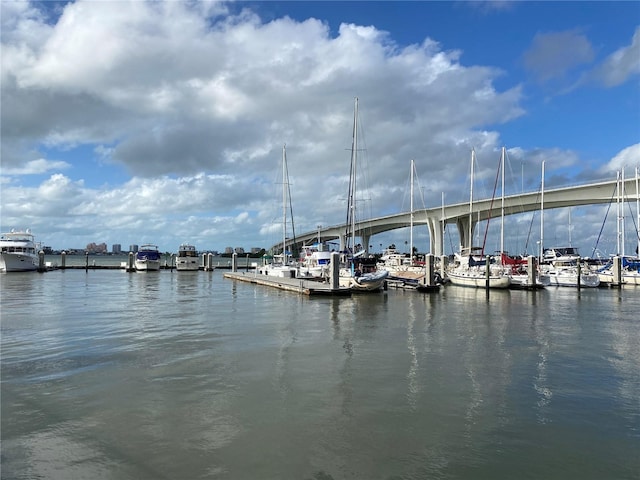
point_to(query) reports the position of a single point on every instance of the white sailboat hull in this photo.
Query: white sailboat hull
(478, 280)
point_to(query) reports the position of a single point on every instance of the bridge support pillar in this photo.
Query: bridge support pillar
(462, 223)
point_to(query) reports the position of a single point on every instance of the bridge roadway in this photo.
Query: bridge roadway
(458, 214)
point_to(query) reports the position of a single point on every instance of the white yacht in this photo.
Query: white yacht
(564, 273)
(18, 252)
(187, 259)
(147, 258)
(315, 261)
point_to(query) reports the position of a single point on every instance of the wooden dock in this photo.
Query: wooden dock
(297, 285)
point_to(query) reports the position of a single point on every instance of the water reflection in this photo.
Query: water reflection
(171, 376)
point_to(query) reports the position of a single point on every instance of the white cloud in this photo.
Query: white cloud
(552, 55)
(621, 65)
(34, 167)
(629, 158)
(191, 106)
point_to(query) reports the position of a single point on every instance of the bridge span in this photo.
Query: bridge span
(459, 214)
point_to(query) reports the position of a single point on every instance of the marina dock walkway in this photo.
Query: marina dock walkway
(298, 285)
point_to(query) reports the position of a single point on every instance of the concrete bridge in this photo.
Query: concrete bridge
(459, 214)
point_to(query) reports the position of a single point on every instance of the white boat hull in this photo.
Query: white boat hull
(191, 264)
(281, 271)
(147, 265)
(18, 262)
(368, 282)
(632, 278)
(561, 279)
(478, 281)
(522, 281)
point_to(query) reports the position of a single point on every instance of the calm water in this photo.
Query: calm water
(187, 375)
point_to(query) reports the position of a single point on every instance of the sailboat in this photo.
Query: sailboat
(566, 270)
(470, 267)
(404, 270)
(282, 265)
(357, 271)
(629, 265)
(517, 268)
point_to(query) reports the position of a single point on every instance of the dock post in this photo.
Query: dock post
(234, 262)
(41, 267)
(334, 279)
(210, 262)
(86, 261)
(430, 270)
(617, 271)
(443, 266)
(63, 259)
(487, 262)
(204, 262)
(579, 273)
(531, 270)
(130, 268)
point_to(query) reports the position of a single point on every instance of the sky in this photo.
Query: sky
(131, 122)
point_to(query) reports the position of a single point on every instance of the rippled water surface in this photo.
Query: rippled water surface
(187, 375)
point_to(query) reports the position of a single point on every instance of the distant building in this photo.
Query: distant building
(228, 250)
(133, 248)
(116, 249)
(239, 250)
(256, 249)
(96, 247)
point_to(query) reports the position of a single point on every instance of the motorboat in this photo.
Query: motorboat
(361, 274)
(279, 265)
(314, 261)
(562, 254)
(18, 251)
(571, 273)
(147, 258)
(187, 258)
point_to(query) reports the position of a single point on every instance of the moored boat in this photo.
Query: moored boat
(314, 261)
(18, 252)
(282, 264)
(562, 254)
(358, 271)
(470, 270)
(147, 258)
(361, 275)
(570, 273)
(629, 272)
(521, 278)
(187, 258)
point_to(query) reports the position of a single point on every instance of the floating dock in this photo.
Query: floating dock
(297, 285)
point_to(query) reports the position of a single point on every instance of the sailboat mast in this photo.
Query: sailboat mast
(284, 203)
(443, 226)
(502, 207)
(473, 156)
(542, 214)
(638, 211)
(618, 232)
(411, 207)
(622, 211)
(351, 201)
